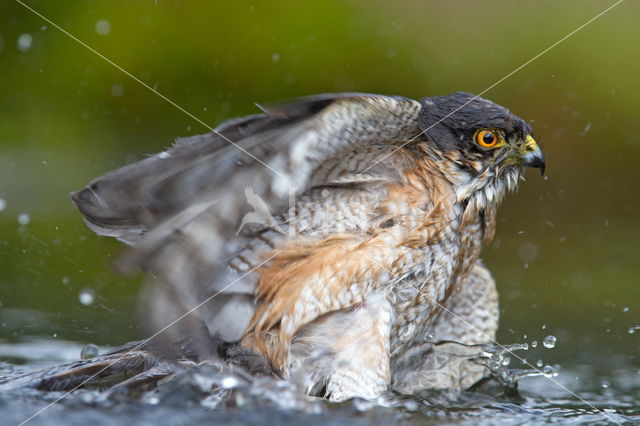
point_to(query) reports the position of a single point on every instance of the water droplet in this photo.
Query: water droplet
(164, 155)
(633, 329)
(411, 405)
(605, 384)
(534, 344)
(549, 342)
(625, 309)
(229, 382)
(24, 42)
(3, 204)
(55, 335)
(117, 90)
(506, 360)
(539, 363)
(89, 351)
(86, 296)
(275, 57)
(65, 281)
(151, 399)
(544, 326)
(88, 398)
(24, 219)
(549, 371)
(103, 27)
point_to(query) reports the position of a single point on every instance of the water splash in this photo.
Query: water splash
(86, 296)
(24, 219)
(89, 351)
(24, 43)
(549, 342)
(201, 392)
(103, 27)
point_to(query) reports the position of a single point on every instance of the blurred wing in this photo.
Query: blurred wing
(118, 203)
(188, 201)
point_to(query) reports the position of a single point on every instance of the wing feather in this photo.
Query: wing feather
(181, 208)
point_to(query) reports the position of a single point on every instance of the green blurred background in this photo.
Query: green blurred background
(566, 252)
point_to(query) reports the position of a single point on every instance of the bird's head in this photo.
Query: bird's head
(483, 145)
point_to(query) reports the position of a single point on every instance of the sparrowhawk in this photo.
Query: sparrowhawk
(363, 221)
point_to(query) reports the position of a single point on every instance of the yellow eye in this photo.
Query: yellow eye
(487, 138)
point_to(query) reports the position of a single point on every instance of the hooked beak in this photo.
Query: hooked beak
(532, 155)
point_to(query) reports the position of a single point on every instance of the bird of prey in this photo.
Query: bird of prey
(381, 205)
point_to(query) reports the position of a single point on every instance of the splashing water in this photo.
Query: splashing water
(214, 392)
(24, 42)
(103, 27)
(89, 351)
(549, 342)
(510, 376)
(86, 296)
(24, 219)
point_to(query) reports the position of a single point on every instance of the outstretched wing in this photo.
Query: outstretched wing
(180, 209)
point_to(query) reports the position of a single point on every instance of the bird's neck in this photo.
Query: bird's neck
(487, 189)
(478, 188)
